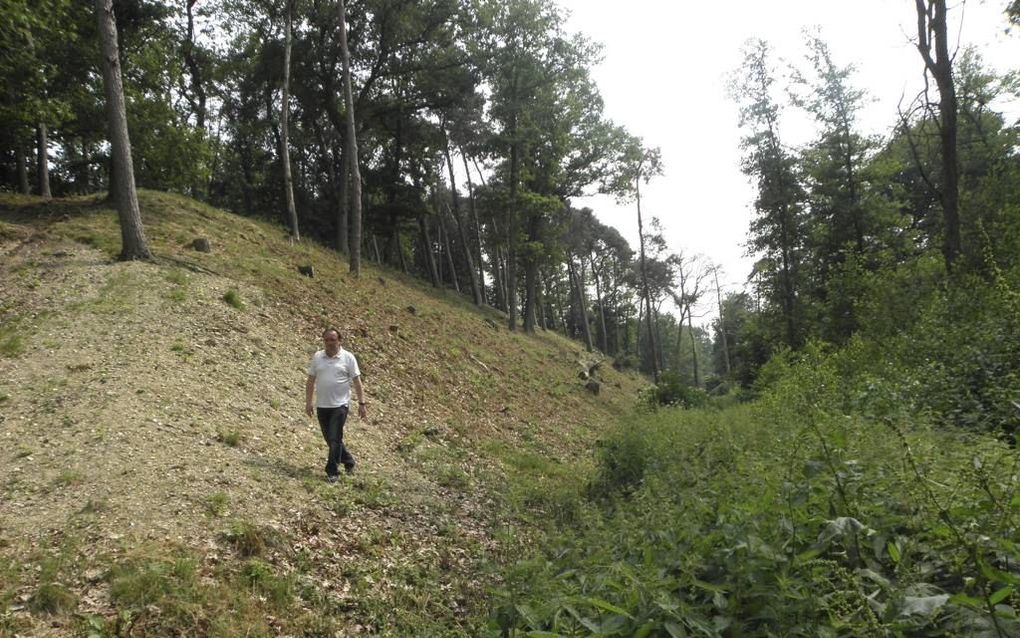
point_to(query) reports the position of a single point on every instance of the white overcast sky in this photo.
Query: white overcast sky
(664, 78)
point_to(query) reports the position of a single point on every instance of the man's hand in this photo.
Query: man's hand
(362, 410)
(309, 408)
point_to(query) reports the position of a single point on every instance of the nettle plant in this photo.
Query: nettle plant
(790, 517)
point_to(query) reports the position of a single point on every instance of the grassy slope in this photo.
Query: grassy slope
(158, 474)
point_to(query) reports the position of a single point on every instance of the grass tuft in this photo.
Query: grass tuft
(231, 438)
(249, 540)
(53, 598)
(11, 343)
(216, 504)
(233, 298)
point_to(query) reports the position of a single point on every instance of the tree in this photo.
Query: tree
(839, 227)
(634, 165)
(777, 229)
(133, 241)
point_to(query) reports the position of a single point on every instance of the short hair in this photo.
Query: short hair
(333, 330)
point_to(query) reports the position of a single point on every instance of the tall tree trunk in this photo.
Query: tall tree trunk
(198, 100)
(474, 221)
(577, 281)
(511, 257)
(22, 162)
(694, 350)
(400, 250)
(288, 180)
(530, 295)
(531, 277)
(604, 334)
(352, 148)
(43, 160)
(644, 282)
(932, 23)
(343, 201)
(476, 289)
(722, 326)
(132, 234)
(445, 238)
(430, 258)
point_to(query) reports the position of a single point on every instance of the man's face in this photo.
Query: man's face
(332, 343)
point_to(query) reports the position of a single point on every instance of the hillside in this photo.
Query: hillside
(159, 477)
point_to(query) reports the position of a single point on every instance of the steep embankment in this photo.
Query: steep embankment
(158, 475)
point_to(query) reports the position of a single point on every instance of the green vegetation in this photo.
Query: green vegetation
(233, 299)
(231, 438)
(780, 518)
(217, 503)
(12, 342)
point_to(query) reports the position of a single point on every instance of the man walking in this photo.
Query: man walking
(331, 374)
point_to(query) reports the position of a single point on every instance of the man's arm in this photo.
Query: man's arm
(309, 389)
(359, 391)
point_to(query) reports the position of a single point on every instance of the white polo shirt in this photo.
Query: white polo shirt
(333, 376)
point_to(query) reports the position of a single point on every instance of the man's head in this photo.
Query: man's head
(331, 340)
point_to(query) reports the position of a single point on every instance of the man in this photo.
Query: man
(331, 374)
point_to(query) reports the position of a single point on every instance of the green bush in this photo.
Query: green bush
(672, 391)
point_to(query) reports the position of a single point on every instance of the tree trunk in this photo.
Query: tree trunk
(132, 234)
(577, 281)
(931, 22)
(476, 289)
(343, 202)
(430, 258)
(352, 149)
(604, 336)
(478, 228)
(43, 160)
(511, 257)
(644, 283)
(288, 180)
(22, 162)
(444, 235)
(694, 350)
(722, 327)
(400, 250)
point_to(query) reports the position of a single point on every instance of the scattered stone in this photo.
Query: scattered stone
(394, 328)
(412, 310)
(307, 271)
(201, 244)
(382, 282)
(593, 386)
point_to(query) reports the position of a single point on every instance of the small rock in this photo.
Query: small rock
(307, 271)
(201, 244)
(593, 386)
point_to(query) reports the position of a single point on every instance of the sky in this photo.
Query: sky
(664, 77)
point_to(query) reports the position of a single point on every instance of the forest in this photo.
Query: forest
(446, 139)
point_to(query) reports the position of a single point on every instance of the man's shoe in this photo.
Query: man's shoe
(349, 468)
(332, 478)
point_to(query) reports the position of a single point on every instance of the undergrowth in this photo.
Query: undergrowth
(836, 505)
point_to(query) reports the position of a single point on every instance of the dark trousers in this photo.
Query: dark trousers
(332, 420)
